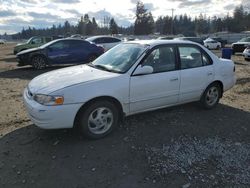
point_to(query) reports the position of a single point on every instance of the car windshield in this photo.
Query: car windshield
(29, 40)
(245, 40)
(120, 58)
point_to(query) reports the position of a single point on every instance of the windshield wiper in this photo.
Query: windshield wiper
(102, 67)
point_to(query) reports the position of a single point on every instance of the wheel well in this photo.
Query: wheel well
(103, 98)
(36, 55)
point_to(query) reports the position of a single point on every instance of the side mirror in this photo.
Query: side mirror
(142, 70)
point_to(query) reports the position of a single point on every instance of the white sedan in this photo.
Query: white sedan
(107, 42)
(212, 44)
(246, 53)
(130, 78)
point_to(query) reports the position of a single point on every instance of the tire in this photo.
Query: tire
(218, 47)
(211, 96)
(98, 119)
(39, 62)
(92, 58)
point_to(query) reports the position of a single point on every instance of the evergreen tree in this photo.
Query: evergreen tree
(81, 26)
(113, 27)
(144, 23)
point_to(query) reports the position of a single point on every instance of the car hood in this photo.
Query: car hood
(66, 77)
(20, 44)
(28, 51)
(241, 43)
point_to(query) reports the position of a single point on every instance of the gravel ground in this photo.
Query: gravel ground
(183, 146)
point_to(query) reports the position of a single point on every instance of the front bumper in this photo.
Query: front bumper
(50, 117)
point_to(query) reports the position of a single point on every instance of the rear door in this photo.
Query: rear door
(78, 50)
(196, 72)
(159, 89)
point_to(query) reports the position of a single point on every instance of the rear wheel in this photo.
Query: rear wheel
(39, 62)
(98, 119)
(211, 96)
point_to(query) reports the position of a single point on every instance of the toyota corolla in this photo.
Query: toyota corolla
(130, 78)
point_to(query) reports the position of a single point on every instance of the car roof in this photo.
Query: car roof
(101, 36)
(74, 39)
(160, 42)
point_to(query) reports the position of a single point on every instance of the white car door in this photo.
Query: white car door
(196, 72)
(159, 89)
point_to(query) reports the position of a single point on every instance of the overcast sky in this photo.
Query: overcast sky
(16, 14)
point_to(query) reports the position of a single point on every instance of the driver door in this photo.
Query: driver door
(161, 87)
(59, 52)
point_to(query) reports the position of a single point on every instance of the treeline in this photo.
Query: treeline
(145, 24)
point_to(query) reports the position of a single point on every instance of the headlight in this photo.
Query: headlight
(48, 100)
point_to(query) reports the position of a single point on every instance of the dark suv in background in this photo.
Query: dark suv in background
(241, 45)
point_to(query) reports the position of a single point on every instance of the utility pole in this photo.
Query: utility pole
(172, 24)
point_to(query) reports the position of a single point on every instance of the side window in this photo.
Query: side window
(113, 40)
(47, 39)
(58, 45)
(36, 41)
(99, 41)
(190, 57)
(162, 59)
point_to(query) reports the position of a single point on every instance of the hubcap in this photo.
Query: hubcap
(100, 120)
(212, 96)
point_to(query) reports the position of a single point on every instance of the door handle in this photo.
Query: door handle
(209, 73)
(173, 79)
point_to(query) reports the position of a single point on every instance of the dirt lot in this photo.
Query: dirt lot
(183, 146)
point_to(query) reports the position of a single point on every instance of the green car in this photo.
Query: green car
(33, 42)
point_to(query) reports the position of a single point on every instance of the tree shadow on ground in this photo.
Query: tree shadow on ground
(32, 157)
(9, 60)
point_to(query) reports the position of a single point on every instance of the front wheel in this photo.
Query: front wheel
(98, 119)
(39, 62)
(211, 96)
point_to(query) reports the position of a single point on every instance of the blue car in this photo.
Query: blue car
(61, 51)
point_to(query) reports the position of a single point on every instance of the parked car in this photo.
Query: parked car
(246, 53)
(61, 51)
(193, 39)
(131, 78)
(222, 41)
(77, 36)
(241, 45)
(33, 42)
(107, 42)
(2, 41)
(212, 44)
